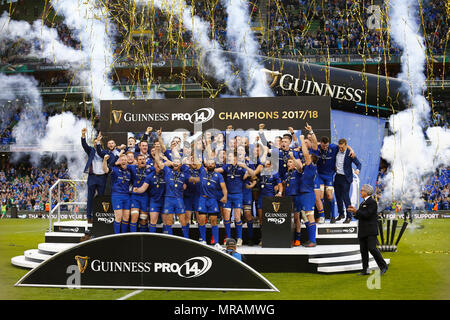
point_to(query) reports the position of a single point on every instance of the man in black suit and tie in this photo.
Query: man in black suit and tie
(367, 216)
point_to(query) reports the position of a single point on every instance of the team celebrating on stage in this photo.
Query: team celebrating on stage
(219, 176)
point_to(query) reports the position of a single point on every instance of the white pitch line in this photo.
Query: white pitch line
(130, 295)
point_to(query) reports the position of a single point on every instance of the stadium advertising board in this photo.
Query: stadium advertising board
(190, 265)
(120, 116)
(278, 222)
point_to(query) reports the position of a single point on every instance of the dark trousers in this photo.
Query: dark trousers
(341, 192)
(369, 244)
(96, 185)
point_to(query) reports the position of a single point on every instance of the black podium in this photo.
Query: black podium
(102, 216)
(277, 222)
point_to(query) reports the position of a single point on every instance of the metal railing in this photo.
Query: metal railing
(57, 207)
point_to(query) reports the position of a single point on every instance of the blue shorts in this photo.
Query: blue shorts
(139, 202)
(155, 205)
(234, 201)
(325, 179)
(297, 203)
(191, 203)
(173, 205)
(307, 201)
(259, 201)
(120, 201)
(247, 198)
(208, 205)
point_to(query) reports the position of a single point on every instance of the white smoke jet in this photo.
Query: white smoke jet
(241, 39)
(37, 34)
(210, 50)
(20, 95)
(90, 25)
(62, 137)
(410, 157)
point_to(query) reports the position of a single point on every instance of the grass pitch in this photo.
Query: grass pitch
(419, 270)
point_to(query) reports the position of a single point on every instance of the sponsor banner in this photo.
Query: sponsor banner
(338, 230)
(419, 214)
(102, 216)
(45, 215)
(145, 261)
(345, 87)
(278, 222)
(242, 113)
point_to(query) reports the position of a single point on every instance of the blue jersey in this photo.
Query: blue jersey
(327, 159)
(308, 177)
(120, 180)
(292, 180)
(193, 188)
(283, 157)
(156, 185)
(234, 178)
(210, 183)
(267, 184)
(174, 182)
(138, 175)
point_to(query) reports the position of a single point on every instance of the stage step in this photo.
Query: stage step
(21, 261)
(52, 248)
(63, 237)
(34, 255)
(72, 226)
(349, 268)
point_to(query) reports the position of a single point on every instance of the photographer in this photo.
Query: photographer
(230, 248)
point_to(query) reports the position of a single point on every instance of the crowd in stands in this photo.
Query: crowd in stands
(435, 192)
(292, 27)
(27, 187)
(437, 189)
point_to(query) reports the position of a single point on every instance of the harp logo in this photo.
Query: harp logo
(105, 206)
(117, 115)
(276, 206)
(82, 263)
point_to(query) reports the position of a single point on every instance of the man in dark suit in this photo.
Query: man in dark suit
(344, 178)
(367, 216)
(96, 181)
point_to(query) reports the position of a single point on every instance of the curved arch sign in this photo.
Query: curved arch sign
(145, 261)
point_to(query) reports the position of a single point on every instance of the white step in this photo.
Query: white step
(73, 223)
(64, 234)
(52, 248)
(35, 256)
(351, 267)
(21, 261)
(336, 259)
(337, 236)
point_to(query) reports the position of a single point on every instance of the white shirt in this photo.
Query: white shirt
(340, 162)
(97, 163)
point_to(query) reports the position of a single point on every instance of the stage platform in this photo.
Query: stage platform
(337, 249)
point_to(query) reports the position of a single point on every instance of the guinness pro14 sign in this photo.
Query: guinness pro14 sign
(119, 116)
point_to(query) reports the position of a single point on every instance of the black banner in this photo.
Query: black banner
(278, 222)
(345, 87)
(145, 261)
(103, 216)
(119, 116)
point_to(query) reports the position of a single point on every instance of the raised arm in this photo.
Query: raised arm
(105, 164)
(314, 141)
(84, 144)
(305, 151)
(161, 142)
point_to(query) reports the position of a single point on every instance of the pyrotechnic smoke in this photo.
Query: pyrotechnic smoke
(242, 40)
(89, 22)
(410, 157)
(45, 42)
(210, 50)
